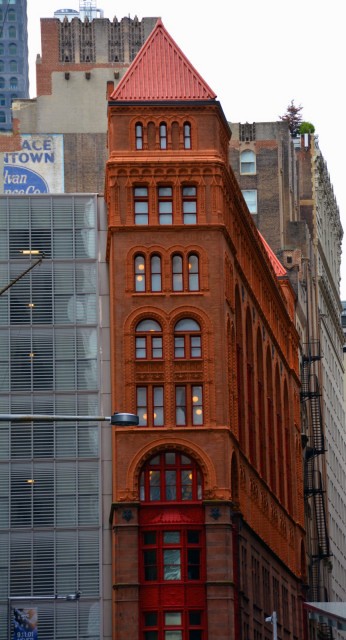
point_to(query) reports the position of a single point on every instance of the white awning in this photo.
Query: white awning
(331, 613)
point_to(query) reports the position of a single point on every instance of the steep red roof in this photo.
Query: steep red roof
(161, 71)
(276, 264)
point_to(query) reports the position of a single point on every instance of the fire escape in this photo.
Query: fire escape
(313, 480)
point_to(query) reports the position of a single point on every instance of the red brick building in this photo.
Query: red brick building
(207, 511)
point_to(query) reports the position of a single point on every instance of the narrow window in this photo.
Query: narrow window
(139, 135)
(197, 405)
(2, 117)
(193, 274)
(177, 273)
(139, 273)
(2, 100)
(11, 15)
(190, 205)
(12, 32)
(13, 83)
(2, 83)
(12, 49)
(250, 197)
(165, 205)
(155, 272)
(247, 162)
(187, 135)
(163, 135)
(13, 66)
(141, 205)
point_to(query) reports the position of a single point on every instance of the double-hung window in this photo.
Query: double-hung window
(165, 195)
(141, 205)
(189, 204)
(187, 339)
(189, 405)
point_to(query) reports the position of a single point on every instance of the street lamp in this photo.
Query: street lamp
(117, 419)
(273, 619)
(25, 252)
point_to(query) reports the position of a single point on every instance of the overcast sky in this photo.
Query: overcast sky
(257, 56)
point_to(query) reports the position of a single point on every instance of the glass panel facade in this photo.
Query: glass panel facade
(50, 498)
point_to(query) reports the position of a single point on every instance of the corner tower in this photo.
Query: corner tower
(204, 349)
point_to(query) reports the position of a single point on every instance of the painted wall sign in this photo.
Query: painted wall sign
(38, 167)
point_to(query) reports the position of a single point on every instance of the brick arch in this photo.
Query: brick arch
(140, 314)
(178, 444)
(192, 312)
(147, 252)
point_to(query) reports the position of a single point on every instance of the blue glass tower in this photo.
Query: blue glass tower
(14, 66)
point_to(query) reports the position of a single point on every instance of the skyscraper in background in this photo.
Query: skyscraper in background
(14, 66)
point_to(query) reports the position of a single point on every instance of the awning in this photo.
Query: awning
(331, 613)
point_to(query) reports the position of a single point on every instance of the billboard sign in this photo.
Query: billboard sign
(38, 167)
(25, 624)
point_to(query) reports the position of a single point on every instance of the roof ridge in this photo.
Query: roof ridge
(161, 71)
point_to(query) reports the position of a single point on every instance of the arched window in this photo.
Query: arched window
(177, 273)
(155, 273)
(193, 273)
(2, 117)
(139, 135)
(185, 272)
(148, 340)
(13, 66)
(12, 49)
(172, 555)
(189, 204)
(248, 161)
(239, 368)
(163, 135)
(187, 339)
(250, 389)
(2, 83)
(2, 100)
(2, 65)
(139, 273)
(261, 417)
(170, 476)
(187, 135)
(11, 15)
(279, 445)
(1, 47)
(12, 32)
(270, 421)
(13, 83)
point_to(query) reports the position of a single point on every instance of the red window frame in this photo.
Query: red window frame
(139, 135)
(155, 273)
(189, 405)
(148, 340)
(187, 135)
(171, 477)
(173, 554)
(163, 135)
(189, 198)
(141, 204)
(187, 342)
(150, 405)
(165, 204)
(139, 268)
(156, 623)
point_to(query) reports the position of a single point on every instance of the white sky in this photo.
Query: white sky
(257, 56)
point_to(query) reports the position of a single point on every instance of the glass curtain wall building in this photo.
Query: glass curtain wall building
(50, 493)
(14, 65)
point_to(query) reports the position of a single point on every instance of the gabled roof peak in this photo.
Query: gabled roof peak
(161, 71)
